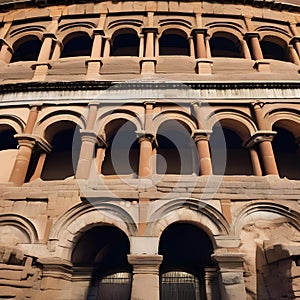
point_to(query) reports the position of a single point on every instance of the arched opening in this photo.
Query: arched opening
(286, 153)
(7, 139)
(176, 152)
(103, 250)
(79, 44)
(237, 158)
(125, 42)
(122, 154)
(174, 42)
(26, 49)
(274, 48)
(186, 251)
(66, 142)
(8, 151)
(223, 44)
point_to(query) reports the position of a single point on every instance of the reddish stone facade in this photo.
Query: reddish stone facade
(150, 150)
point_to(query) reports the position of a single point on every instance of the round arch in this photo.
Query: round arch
(181, 117)
(289, 120)
(13, 121)
(267, 210)
(189, 210)
(23, 224)
(69, 227)
(235, 121)
(113, 115)
(59, 116)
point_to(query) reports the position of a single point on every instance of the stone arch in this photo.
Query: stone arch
(234, 120)
(69, 227)
(65, 31)
(12, 121)
(25, 32)
(287, 119)
(59, 116)
(267, 210)
(26, 231)
(226, 27)
(109, 116)
(179, 116)
(188, 210)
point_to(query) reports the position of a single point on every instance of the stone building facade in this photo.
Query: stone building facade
(149, 150)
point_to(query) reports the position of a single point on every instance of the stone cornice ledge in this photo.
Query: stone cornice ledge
(153, 85)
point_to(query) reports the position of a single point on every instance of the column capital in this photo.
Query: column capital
(25, 139)
(295, 39)
(49, 35)
(199, 31)
(3, 41)
(150, 29)
(43, 144)
(142, 134)
(258, 137)
(257, 104)
(145, 264)
(229, 260)
(252, 34)
(98, 31)
(56, 267)
(201, 134)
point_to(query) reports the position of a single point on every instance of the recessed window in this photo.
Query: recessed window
(78, 45)
(274, 48)
(125, 42)
(174, 42)
(26, 49)
(225, 45)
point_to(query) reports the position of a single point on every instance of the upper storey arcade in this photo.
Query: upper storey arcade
(119, 40)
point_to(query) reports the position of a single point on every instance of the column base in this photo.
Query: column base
(41, 70)
(204, 66)
(93, 69)
(262, 66)
(148, 65)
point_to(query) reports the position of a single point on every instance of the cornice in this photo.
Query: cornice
(143, 85)
(279, 5)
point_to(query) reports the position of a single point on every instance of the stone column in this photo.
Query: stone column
(42, 65)
(211, 283)
(145, 140)
(6, 52)
(257, 55)
(106, 52)
(94, 63)
(295, 41)
(203, 63)
(264, 139)
(89, 139)
(145, 282)
(56, 278)
(149, 61)
(141, 48)
(44, 148)
(201, 137)
(231, 280)
(26, 143)
(100, 153)
(294, 55)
